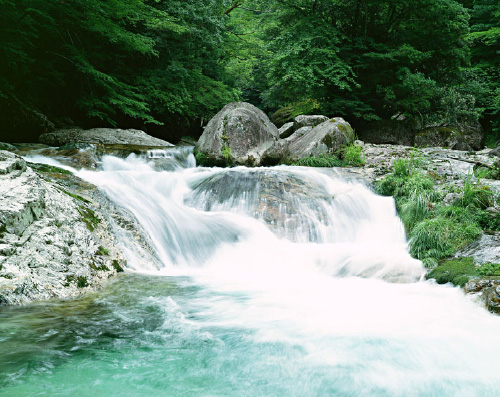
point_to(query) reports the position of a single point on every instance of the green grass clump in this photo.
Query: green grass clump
(116, 265)
(353, 155)
(81, 282)
(476, 195)
(88, 217)
(49, 169)
(441, 237)
(102, 251)
(456, 271)
(226, 154)
(325, 160)
(436, 231)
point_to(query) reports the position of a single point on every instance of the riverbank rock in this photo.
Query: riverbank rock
(108, 136)
(239, 134)
(53, 241)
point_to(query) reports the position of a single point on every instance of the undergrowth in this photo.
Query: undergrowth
(350, 155)
(435, 230)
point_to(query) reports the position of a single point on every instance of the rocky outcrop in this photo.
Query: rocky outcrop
(53, 241)
(448, 137)
(394, 132)
(328, 137)
(239, 134)
(109, 136)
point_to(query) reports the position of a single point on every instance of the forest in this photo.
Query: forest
(167, 66)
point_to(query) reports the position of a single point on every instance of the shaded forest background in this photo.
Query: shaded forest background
(167, 66)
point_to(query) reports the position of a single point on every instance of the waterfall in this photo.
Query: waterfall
(305, 216)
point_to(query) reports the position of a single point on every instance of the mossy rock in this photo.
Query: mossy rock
(288, 113)
(456, 271)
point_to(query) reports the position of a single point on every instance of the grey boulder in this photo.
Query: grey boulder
(328, 137)
(239, 134)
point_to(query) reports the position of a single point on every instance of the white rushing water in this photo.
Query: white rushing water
(302, 258)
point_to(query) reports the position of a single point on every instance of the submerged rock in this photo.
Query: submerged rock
(239, 134)
(53, 241)
(109, 136)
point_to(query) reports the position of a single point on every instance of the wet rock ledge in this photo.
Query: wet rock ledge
(57, 234)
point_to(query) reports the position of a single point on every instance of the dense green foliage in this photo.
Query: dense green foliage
(436, 230)
(174, 63)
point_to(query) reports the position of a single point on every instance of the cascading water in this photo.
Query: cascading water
(274, 281)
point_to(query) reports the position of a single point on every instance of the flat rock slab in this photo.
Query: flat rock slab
(108, 136)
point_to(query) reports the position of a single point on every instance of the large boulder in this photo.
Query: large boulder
(328, 137)
(450, 137)
(109, 136)
(239, 134)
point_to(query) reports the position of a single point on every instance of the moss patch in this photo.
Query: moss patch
(88, 217)
(455, 271)
(49, 169)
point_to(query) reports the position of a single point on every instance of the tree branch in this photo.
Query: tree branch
(234, 6)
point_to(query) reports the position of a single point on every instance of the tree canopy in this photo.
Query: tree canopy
(160, 63)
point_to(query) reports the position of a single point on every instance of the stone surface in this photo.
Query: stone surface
(328, 137)
(239, 134)
(487, 291)
(56, 240)
(110, 136)
(485, 250)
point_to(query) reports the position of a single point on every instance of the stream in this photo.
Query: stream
(283, 281)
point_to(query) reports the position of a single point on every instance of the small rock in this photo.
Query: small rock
(308, 121)
(286, 130)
